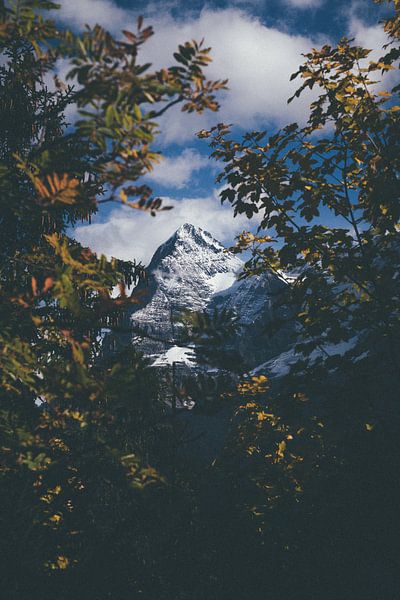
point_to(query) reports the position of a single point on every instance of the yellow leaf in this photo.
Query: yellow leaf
(55, 518)
(281, 449)
(34, 286)
(62, 562)
(261, 416)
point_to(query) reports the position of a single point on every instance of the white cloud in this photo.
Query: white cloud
(76, 14)
(61, 69)
(177, 171)
(368, 36)
(372, 37)
(257, 60)
(305, 3)
(129, 234)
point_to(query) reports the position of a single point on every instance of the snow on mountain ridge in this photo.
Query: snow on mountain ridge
(193, 271)
(185, 239)
(184, 273)
(192, 258)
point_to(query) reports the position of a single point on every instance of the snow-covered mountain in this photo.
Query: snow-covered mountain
(256, 302)
(184, 273)
(192, 270)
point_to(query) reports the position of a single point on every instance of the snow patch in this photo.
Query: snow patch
(281, 364)
(222, 281)
(175, 354)
(116, 291)
(278, 366)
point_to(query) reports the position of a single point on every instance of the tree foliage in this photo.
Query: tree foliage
(318, 449)
(302, 501)
(78, 429)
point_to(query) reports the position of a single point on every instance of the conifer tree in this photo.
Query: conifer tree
(77, 428)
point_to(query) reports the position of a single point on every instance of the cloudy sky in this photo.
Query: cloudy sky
(256, 45)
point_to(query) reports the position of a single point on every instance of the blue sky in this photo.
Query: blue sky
(257, 45)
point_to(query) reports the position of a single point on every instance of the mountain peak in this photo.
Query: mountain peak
(187, 228)
(199, 235)
(187, 239)
(193, 271)
(186, 271)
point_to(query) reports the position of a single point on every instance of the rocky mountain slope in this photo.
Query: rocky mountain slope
(194, 271)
